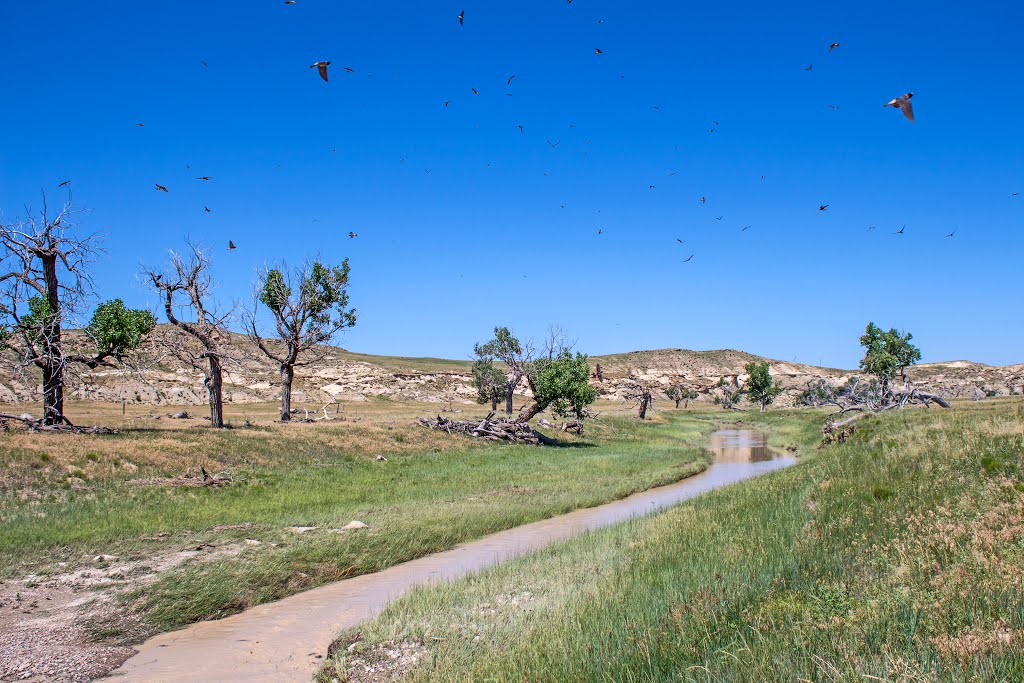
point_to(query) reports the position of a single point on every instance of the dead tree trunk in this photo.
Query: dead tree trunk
(600, 374)
(287, 377)
(494, 401)
(645, 402)
(214, 387)
(53, 393)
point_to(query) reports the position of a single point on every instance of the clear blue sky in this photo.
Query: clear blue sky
(483, 239)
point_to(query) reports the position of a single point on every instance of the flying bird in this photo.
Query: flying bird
(822, 207)
(871, 227)
(447, 102)
(903, 104)
(951, 234)
(745, 228)
(718, 218)
(520, 129)
(141, 125)
(322, 68)
(205, 65)
(689, 259)
(462, 17)
(509, 81)
(599, 231)
(231, 245)
(160, 187)
(207, 209)
(833, 46)
(65, 183)
(348, 69)
(833, 107)
(900, 231)
(598, 51)
(680, 241)
(703, 200)
(552, 145)
(475, 91)
(289, 2)
(352, 235)
(1015, 194)
(650, 187)
(204, 177)
(809, 67)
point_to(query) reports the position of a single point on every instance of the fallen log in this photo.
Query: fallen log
(35, 425)
(490, 429)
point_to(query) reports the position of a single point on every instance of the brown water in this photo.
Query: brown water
(284, 640)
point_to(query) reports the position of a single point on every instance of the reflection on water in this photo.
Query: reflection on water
(282, 641)
(741, 445)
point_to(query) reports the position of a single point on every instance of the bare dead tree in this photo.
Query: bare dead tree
(309, 306)
(871, 398)
(186, 288)
(599, 373)
(45, 284)
(640, 393)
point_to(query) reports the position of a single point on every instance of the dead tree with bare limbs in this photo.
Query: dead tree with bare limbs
(642, 396)
(45, 284)
(309, 306)
(186, 289)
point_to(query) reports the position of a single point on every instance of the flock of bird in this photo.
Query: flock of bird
(902, 103)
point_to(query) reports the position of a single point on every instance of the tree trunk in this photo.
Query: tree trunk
(287, 375)
(53, 369)
(678, 401)
(645, 400)
(529, 413)
(513, 380)
(214, 387)
(494, 401)
(53, 393)
(764, 406)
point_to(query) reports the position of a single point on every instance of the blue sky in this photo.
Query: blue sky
(483, 238)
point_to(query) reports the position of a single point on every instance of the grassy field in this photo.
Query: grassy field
(896, 556)
(69, 498)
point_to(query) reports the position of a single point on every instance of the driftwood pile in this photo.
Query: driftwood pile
(34, 425)
(490, 429)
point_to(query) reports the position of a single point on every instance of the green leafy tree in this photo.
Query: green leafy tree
(761, 389)
(887, 355)
(117, 329)
(680, 393)
(561, 383)
(309, 305)
(506, 348)
(489, 380)
(45, 284)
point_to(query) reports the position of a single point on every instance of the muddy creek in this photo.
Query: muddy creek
(286, 640)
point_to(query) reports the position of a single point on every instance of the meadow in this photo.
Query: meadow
(895, 556)
(92, 501)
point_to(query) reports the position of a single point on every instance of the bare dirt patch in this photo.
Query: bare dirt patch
(69, 627)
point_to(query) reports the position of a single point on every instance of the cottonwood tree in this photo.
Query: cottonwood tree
(887, 355)
(558, 379)
(45, 283)
(640, 393)
(680, 393)
(490, 381)
(516, 356)
(562, 384)
(310, 306)
(761, 389)
(203, 342)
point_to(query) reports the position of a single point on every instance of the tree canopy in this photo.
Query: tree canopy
(117, 329)
(887, 354)
(562, 384)
(760, 387)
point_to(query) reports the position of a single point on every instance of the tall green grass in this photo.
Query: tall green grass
(898, 555)
(415, 504)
